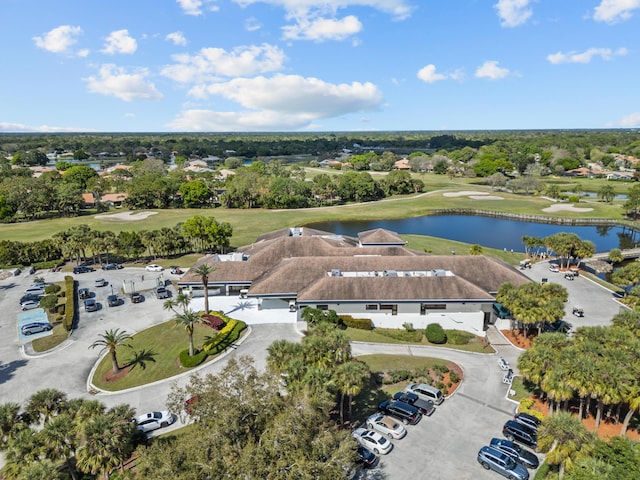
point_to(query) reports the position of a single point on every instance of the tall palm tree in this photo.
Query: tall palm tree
(97, 453)
(350, 379)
(188, 319)
(59, 441)
(46, 403)
(111, 340)
(9, 418)
(204, 270)
(631, 396)
(43, 468)
(565, 440)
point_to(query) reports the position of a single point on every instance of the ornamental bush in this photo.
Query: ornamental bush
(458, 337)
(435, 333)
(70, 308)
(190, 362)
(359, 323)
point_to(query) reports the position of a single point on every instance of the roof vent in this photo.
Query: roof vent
(440, 273)
(390, 273)
(295, 232)
(335, 273)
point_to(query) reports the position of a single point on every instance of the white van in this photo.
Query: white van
(35, 290)
(426, 392)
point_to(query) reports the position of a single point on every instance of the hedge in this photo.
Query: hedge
(458, 337)
(359, 323)
(70, 307)
(225, 337)
(192, 361)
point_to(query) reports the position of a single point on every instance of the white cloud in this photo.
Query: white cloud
(177, 38)
(20, 127)
(513, 12)
(428, 74)
(632, 120)
(195, 7)
(58, 40)
(279, 102)
(320, 29)
(612, 11)
(209, 63)
(120, 42)
(252, 24)
(491, 70)
(586, 56)
(400, 9)
(117, 82)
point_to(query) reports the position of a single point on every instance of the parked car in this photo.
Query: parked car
(528, 420)
(34, 290)
(35, 327)
(154, 420)
(82, 269)
(112, 266)
(176, 270)
(373, 441)
(426, 407)
(559, 326)
(386, 425)
(29, 305)
(366, 457)
(100, 282)
(83, 293)
(190, 402)
(161, 292)
(554, 268)
(90, 305)
(136, 297)
(515, 451)
(498, 461)
(30, 297)
(516, 432)
(113, 300)
(426, 392)
(154, 268)
(578, 311)
(404, 412)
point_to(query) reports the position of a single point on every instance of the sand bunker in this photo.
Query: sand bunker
(473, 194)
(565, 207)
(126, 216)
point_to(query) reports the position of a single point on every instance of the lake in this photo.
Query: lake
(487, 231)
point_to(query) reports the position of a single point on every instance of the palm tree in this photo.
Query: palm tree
(204, 270)
(59, 441)
(476, 250)
(9, 418)
(97, 455)
(188, 319)
(565, 440)
(350, 379)
(631, 396)
(43, 468)
(46, 403)
(111, 340)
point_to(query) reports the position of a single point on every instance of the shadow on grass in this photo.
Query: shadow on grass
(141, 359)
(367, 401)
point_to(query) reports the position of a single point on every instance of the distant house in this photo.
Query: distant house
(88, 200)
(578, 172)
(114, 199)
(620, 176)
(402, 164)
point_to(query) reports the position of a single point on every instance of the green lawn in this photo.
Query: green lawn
(521, 389)
(153, 355)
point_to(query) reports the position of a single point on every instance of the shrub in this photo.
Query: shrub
(400, 375)
(70, 310)
(440, 386)
(574, 199)
(525, 404)
(359, 323)
(190, 362)
(408, 326)
(449, 384)
(402, 335)
(51, 289)
(438, 367)
(229, 334)
(435, 333)
(458, 337)
(454, 377)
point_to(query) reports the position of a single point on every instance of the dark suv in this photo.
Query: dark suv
(516, 432)
(515, 451)
(82, 269)
(408, 414)
(528, 420)
(426, 407)
(498, 461)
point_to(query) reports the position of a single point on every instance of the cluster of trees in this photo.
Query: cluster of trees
(82, 436)
(564, 245)
(81, 242)
(599, 369)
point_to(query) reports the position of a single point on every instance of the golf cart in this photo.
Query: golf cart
(578, 311)
(526, 263)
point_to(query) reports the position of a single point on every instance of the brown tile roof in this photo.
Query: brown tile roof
(380, 236)
(114, 197)
(88, 198)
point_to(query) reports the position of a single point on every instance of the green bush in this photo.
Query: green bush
(400, 375)
(55, 288)
(229, 334)
(454, 377)
(190, 362)
(574, 199)
(47, 265)
(440, 386)
(70, 308)
(408, 326)
(435, 333)
(359, 323)
(402, 335)
(458, 337)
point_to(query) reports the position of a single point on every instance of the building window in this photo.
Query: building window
(434, 306)
(371, 306)
(322, 307)
(392, 307)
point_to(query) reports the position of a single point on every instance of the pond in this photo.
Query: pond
(487, 231)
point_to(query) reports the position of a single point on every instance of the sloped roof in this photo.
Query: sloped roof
(380, 236)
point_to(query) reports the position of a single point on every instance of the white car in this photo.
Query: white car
(386, 425)
(154, 268)
(154, 420)
(29, 305)
(554, 268)
(373, 441)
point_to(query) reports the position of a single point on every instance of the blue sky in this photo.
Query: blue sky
(318, 65)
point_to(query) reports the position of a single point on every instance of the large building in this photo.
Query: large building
(374, 275)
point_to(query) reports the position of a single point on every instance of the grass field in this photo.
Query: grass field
(248, 224)
(152, 354)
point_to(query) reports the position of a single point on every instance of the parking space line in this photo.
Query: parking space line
(484, 404)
